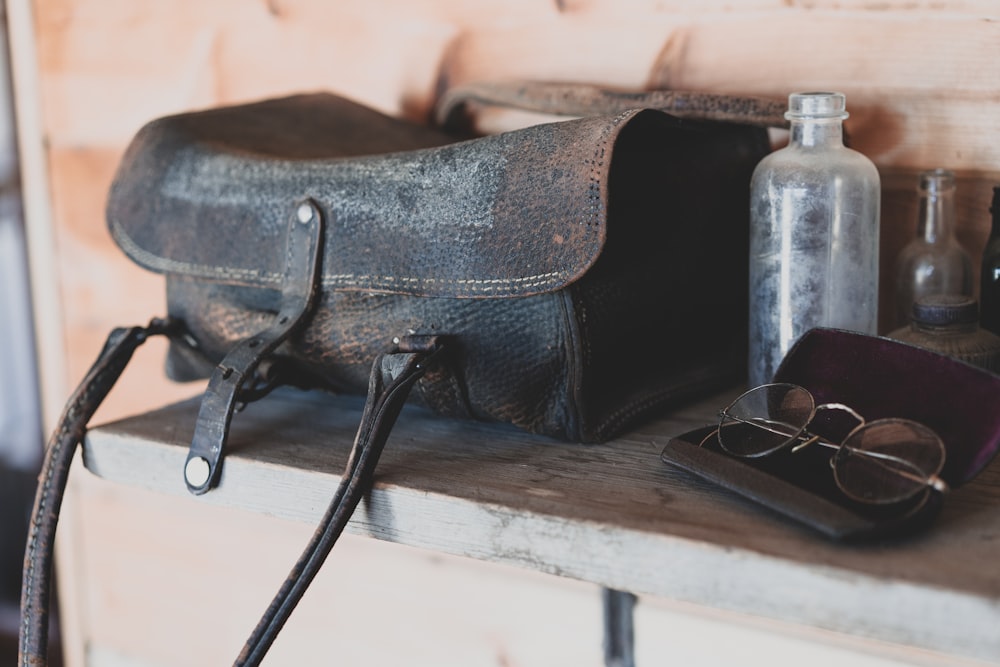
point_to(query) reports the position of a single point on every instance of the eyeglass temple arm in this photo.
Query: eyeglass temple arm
(807, 437)
(932, 481)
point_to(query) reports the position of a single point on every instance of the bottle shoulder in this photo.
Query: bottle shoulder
(947, 245)
(927, 260)
(801, 163)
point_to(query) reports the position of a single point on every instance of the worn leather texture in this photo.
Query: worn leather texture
(582, 273)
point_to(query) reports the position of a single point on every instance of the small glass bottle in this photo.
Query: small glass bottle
(933, 262)
(947, 324)
(814, 234)
(989, 286)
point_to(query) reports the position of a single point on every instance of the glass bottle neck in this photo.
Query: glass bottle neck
(824, 132)
(936, 220)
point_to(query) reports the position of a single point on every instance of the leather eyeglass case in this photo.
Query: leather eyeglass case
(880, 378)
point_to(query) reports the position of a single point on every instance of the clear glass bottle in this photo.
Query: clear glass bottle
(947, 324)
(989, 286)
(814, 234)
(933, 262)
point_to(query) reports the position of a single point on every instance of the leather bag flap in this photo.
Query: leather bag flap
(208, 194)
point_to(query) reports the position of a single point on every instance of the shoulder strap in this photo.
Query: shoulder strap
(575, 99)
(37, 576)
(392, 377)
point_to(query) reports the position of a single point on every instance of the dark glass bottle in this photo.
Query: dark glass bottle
(989, 286)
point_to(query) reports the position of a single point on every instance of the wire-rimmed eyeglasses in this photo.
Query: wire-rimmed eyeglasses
(878, 462)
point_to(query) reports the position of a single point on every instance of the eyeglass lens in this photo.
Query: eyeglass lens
(888, 460)
(765, 419)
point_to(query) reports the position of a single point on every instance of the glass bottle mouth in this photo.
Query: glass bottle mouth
(936, 181)
(816, 106)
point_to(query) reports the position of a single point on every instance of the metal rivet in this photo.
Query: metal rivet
(305, 213)
(196, 471)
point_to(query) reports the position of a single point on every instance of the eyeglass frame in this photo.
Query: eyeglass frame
(931, 481)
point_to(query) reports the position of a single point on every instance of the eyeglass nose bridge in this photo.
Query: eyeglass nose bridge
(811, 438)
(808, 441)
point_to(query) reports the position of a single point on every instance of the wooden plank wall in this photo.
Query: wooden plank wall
(921, 80)
(921, 77)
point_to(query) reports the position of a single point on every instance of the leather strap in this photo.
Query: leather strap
(581, 100)
(392, 377)
(300, 286)
(61, 448)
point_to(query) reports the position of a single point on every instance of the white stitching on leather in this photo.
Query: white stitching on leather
(167, 265)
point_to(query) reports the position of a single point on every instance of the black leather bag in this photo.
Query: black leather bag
(568, 278)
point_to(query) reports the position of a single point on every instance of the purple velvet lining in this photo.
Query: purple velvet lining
(880, 377)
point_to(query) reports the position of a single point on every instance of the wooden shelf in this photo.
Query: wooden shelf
(612, 514)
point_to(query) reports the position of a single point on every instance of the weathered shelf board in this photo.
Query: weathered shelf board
(611, 514)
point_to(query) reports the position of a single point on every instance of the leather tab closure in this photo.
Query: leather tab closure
(300, 286)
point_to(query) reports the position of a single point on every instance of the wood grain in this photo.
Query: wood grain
(611, 514)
